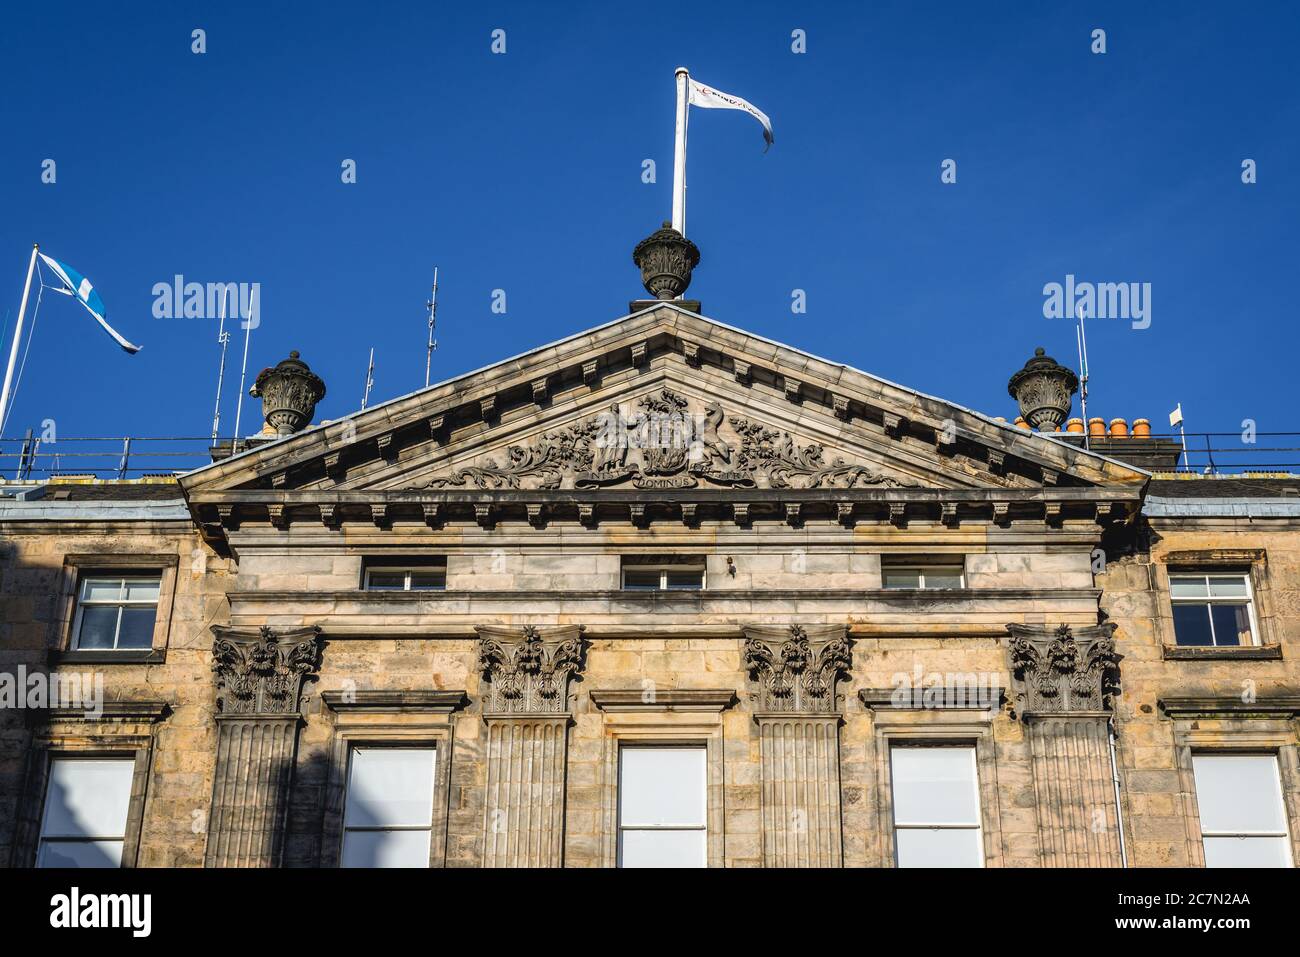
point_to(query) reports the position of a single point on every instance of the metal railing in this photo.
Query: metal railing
(31, 458)
(1228, 453)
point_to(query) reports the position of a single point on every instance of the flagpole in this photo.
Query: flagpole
(18, 334)
(243, 370)
(679, 153)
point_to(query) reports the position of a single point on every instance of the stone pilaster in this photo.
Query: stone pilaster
(526, 709)
(797, 670)
(1065, 681)
(260, 676)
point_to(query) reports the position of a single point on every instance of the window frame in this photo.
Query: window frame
(407, 571)
(1276, 763)
(1209, 600)
(703, 826)
(664, 568)
(122, 577)
(1229, 726)
(65, 626)
(920, 568)
(674, 716)
(125, 730)
(74, 757)
(922, 726)
(978, 826)
(362, 745)
(377, 719)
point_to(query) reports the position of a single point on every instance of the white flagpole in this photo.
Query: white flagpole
(679, 153)
(223, 339)
(243, 371)
(18, 334)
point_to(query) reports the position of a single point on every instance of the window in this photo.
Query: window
(1243, 823)
(661, 807)
(116, 612)
(417, 578)
(388, 817)
(936, 807)
(1212, 609)
(663, 577)
(83, 823)
(922, 576)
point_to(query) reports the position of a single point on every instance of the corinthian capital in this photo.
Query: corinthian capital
(527, 671)
(798, 667)
(1064, 670)
(262, 671)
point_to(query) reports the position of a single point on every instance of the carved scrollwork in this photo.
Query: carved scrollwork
(789, 466)
(526, 672)
(1065, 670)
(796, 672)
(262, 672)
(663, 445)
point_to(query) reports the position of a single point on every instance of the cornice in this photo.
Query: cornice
(662, 699)
(1284, 706)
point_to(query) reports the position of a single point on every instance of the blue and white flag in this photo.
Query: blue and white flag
(79, 287)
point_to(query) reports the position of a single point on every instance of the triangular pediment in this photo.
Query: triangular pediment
(663, 399)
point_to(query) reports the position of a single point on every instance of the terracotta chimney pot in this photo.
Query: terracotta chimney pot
(1119, 428)
(1074, 426)
(1141, 428)
(1097, 427)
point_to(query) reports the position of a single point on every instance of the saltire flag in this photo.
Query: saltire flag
(709, 98)
(79, 287)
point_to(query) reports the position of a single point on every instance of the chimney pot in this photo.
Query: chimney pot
(1097, 427)
(1141, 428)
(1074, 426)
(1118, 428)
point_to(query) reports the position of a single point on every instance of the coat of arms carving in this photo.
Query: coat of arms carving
(664, 443)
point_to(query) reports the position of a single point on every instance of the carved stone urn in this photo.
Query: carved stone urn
(1044, 388)
(666, 259)
(289, 393)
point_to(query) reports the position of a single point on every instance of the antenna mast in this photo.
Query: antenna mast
(1082, 338)
(223, 339)
(243, 372)
(370, 379)
(432, 306)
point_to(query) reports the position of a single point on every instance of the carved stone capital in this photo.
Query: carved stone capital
(262, 672)
(799, 667)
(1064, 670)
(527, 671)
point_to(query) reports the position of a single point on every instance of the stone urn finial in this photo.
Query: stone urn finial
(289, 393)
(666, 259)
(1043, 388)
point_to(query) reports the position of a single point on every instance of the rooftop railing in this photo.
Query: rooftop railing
(31, 458)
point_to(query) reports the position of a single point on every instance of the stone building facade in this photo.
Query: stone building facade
(660, 561)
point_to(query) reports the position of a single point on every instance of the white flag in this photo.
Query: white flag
(1176, 416)
(709, 98)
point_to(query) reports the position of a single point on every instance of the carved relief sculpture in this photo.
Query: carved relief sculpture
(526, 673)
(664, 445)
(797, 672)
(263, 672)
(1065, 670)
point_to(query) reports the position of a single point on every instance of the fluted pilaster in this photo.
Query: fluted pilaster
(526, 709)
(260, 676)
(797, 669)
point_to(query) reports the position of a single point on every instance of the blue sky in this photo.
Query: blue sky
(522, 172)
